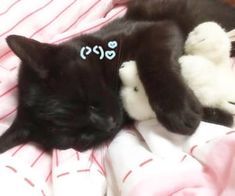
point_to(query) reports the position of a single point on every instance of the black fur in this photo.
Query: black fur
(66, 102)
(218, 116)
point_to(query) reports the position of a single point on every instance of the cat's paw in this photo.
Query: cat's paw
(184, 117)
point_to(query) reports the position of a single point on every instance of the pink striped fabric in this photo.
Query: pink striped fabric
(29, 167)
(81, 173)
(174, 165)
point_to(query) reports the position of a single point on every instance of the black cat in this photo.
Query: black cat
(66, 101)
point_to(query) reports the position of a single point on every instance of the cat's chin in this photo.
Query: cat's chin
(86, 142)
(89, 137)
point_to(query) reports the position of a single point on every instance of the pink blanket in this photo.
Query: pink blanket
(138, 161)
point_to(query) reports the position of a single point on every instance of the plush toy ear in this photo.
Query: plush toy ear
(32, 52)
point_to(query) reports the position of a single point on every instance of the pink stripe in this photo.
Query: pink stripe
(73, 35)
(13, 68)
(29, 182)
(35, 11)
(99, 165)
(79, 17)
(9, 7)
(56, 158)
(63, 174)
(4, 68)
(183, 158)
(106, 13)
(208, 141)
(8, 91)
(8, 114)
(53, 19)
(100, 172)
(35, 161)
(17, 150)
(83, 170)
(11, 168)
(192, 149)
(43, 193)
(126, 176)
(77, 153)
(5, 54)
(48, 176)
(145, 162)
(231, 132)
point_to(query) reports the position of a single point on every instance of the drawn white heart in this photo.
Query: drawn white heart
(112, 44)
(110, 54)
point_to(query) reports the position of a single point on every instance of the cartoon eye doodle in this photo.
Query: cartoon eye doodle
(99, 51)
(85, 51)
(112, 44)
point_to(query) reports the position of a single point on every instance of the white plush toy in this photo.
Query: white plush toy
(134, 98)
(206, 69)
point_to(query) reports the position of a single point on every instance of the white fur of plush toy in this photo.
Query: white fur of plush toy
(133, 95)
(206, 67)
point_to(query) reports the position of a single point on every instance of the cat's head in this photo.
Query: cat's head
(65, 95)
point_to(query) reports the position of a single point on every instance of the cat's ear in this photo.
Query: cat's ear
(34, 53)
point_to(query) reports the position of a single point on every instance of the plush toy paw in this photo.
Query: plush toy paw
(201, 75)
(128, 73)
(209, 40)
(212, 85)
